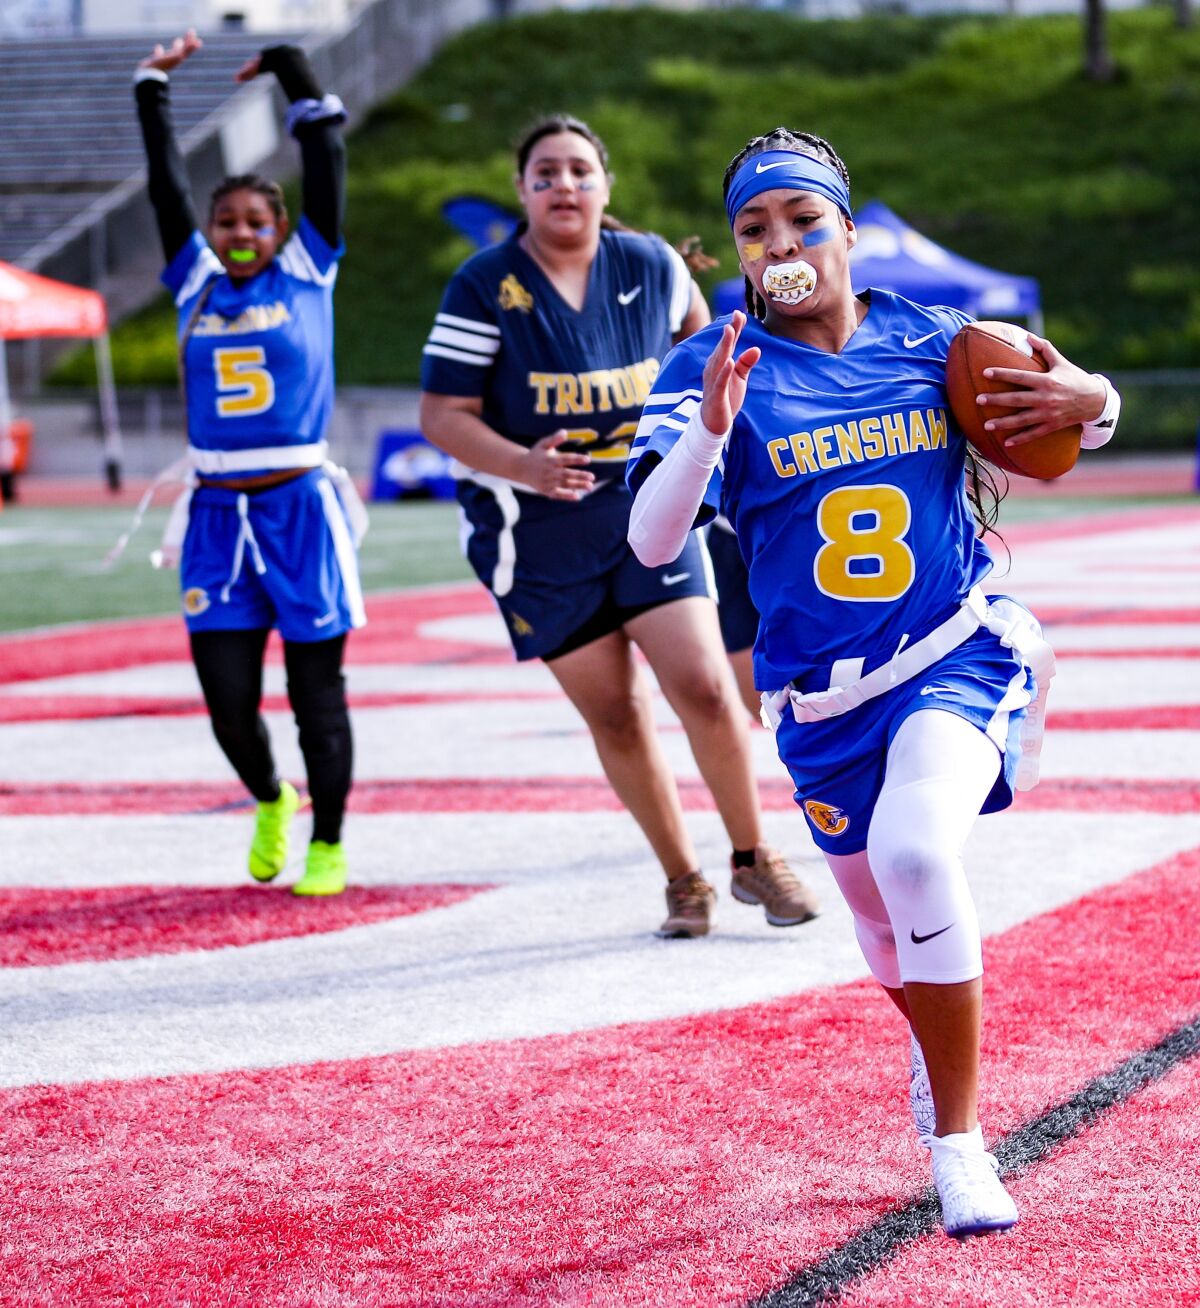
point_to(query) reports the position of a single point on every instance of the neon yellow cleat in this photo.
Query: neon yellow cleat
(324, 870)
(269, 850)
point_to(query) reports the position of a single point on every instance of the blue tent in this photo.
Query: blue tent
(896, 257)
(479, 219)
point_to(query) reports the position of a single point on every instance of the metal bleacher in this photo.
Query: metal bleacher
(70, 133)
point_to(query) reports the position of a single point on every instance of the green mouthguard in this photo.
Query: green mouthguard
(243, 256)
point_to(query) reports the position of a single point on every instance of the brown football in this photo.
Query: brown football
(982, 345)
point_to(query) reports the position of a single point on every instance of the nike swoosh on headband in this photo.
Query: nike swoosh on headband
(766, 168)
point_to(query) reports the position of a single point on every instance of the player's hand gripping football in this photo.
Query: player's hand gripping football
(725, 378)
(1044, 402)
(165, 60)
(557, 474)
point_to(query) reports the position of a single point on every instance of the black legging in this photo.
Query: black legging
(230, 664)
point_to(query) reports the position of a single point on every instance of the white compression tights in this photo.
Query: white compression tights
(913, 912)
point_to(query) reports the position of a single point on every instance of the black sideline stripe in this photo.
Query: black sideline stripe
(823, 1282)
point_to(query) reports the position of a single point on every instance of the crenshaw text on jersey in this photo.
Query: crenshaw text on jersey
(858, 441)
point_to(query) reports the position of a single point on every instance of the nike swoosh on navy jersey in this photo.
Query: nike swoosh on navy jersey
(910, 344)
(627, 297)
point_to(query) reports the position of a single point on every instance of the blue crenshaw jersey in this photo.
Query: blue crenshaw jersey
(504, 334)
(844, 480)
(259, 353)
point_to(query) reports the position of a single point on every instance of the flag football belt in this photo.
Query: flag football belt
(1007, 621)
(197, 466)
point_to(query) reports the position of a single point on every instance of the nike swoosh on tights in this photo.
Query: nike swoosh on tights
(910, 344)
(920, 940)
(766, 168)
(674, 578)
(627, 297)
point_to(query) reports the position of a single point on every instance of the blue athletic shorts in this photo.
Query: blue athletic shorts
(563, 574)
(308, 587)
(735, 608)
(837, 764)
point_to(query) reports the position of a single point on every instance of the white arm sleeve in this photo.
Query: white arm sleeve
(665, 508)
(1099, 431)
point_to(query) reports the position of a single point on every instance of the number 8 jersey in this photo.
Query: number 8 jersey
(843, 477)
(259, 353)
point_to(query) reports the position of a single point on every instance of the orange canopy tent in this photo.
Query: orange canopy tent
(36, 306)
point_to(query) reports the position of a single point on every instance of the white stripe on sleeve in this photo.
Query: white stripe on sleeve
(468, 324)
(668, 400)
(678, 418)
(470, 341)
(460, 356)
(206, 263)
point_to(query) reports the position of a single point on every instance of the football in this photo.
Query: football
(982, 345)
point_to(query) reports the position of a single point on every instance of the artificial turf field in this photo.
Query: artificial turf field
(477, 1078)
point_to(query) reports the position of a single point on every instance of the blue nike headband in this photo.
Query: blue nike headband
(785, 170)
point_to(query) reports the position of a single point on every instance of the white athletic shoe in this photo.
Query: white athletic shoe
(973, 1200)
(920, 1095)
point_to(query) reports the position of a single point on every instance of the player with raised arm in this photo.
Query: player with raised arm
(534, 375)
(268, 529)
(820, 426)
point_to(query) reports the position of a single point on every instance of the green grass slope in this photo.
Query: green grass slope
(982, 133)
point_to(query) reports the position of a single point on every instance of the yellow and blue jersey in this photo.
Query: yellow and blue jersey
(844, 480)
(258, 360)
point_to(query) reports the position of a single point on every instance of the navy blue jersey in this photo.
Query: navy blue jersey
(844, 480)
(506, 335)
(259, 357)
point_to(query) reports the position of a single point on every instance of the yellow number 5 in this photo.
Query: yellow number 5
(864, 526)
(246, 386)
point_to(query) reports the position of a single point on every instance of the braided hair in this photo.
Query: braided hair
(984, 492)
(782, 138)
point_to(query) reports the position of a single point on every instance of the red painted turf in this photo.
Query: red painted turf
(40, 927)
(688, 1162)
(68, 708)
(551, 794)
(1109, 1220)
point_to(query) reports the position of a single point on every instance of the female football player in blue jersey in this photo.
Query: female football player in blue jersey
(269, 540)
(901, 695)
(534, 375)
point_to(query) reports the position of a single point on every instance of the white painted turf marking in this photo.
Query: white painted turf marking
(565, 944)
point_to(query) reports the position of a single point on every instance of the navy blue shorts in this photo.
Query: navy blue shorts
(735, 608)
(837, 764)
(563, 574)
(308, 585)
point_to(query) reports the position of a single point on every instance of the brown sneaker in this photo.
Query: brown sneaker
(690, 901)
(786, 900)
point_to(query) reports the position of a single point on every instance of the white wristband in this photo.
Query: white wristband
(149, 75)
(1099, 431)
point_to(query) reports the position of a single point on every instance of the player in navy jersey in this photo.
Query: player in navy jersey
(901, 695)
(270, 540)
(534, 376)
